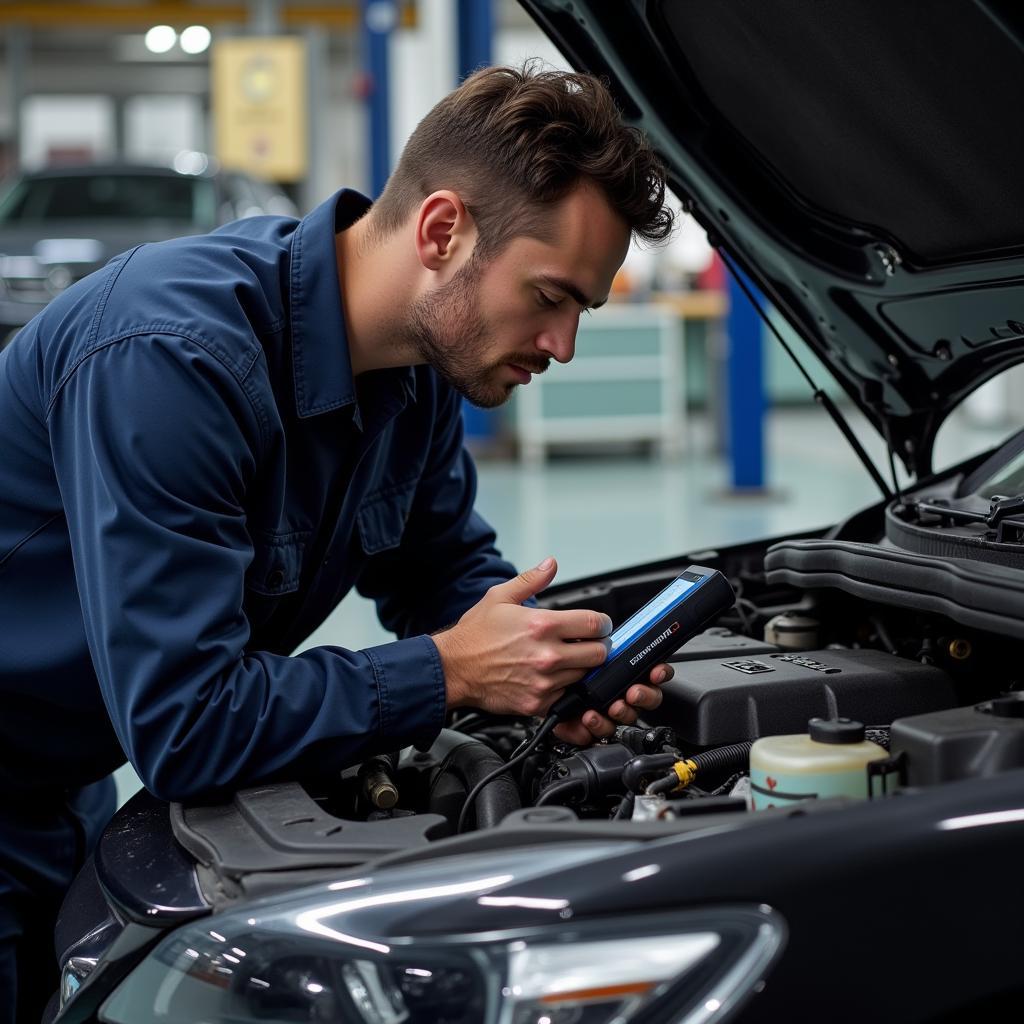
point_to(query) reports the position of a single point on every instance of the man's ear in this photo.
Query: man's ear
(445, 232)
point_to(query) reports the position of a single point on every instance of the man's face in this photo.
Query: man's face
(492, 326)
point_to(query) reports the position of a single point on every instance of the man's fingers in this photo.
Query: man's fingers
(528, 583)
(583, 732)
(597, 725)
(661, 674)
(644, 697)
(580, 624)
(622, 713)
(560, 657)
(574, 732)
(586, 654)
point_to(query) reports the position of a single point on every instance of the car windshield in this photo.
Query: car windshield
(111, 196)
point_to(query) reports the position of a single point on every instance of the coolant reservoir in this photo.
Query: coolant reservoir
(831, 761)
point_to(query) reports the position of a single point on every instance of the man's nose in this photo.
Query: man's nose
(559, 341)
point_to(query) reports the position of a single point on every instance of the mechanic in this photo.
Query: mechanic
(210, 441)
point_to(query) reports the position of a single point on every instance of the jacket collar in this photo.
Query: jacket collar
(322, 367)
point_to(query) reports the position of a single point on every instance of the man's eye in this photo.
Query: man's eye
(546, 300)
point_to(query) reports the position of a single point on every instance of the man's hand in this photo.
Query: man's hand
(594, 725)
(507, 659)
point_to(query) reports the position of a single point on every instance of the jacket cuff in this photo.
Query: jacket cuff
(411, 690)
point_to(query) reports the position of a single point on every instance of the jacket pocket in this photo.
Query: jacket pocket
(276, 566)
(383, 515)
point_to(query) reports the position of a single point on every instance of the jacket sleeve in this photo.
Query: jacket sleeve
(447, 558)
(154, 445)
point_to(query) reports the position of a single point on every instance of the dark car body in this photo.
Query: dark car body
(60, 223)
(861, 163)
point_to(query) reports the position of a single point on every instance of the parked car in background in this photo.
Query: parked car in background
(58, 224)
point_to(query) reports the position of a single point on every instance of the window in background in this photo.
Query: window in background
(69, 129)
(157, 128)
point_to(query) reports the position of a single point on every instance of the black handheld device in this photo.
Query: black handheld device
(693, 600)
(690, 602)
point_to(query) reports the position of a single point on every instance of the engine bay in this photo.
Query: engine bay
(918, 642)
(861, 684)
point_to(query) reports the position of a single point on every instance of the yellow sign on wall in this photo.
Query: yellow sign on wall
(259, 106)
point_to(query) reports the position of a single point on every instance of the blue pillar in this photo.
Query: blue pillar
(745, 401)
(476, 35)
(379, 17)
(475, 48)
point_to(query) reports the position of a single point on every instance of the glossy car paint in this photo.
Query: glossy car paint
(875, 897)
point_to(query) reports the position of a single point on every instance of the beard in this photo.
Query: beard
(447, 330)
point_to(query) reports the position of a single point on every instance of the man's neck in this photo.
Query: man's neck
(375, 293)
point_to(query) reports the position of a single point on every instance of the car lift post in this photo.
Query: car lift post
(475, 35)
(475, 30)
(379, 18)
(745, 399)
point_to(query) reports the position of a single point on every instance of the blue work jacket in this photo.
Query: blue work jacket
(191, 481)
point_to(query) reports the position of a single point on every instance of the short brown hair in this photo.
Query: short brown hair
(511, 141)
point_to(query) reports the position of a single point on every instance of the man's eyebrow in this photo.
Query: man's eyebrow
(570, 289)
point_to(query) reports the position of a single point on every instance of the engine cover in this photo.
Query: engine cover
(972, 742)
(718, 701)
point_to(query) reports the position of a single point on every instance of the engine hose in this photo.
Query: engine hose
(646, 764)
(625, 808)
(730, 758)
(734, 757)
(470, 761)
(551, 794)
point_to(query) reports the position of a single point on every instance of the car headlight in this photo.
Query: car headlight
(322, 955)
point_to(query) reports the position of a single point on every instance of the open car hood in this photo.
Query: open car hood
(862, 162)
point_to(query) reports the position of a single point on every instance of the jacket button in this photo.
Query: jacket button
(275, 578)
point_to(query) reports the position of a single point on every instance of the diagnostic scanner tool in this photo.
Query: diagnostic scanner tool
(678, 613)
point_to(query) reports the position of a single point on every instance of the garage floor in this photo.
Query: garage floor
(599, 513)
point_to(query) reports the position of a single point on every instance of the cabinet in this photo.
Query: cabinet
(624, 384)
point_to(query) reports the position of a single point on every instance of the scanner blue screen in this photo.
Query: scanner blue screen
(671, 596)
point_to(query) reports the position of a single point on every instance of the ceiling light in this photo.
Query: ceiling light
(160, 38)
(190, 162)
(195, 39)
